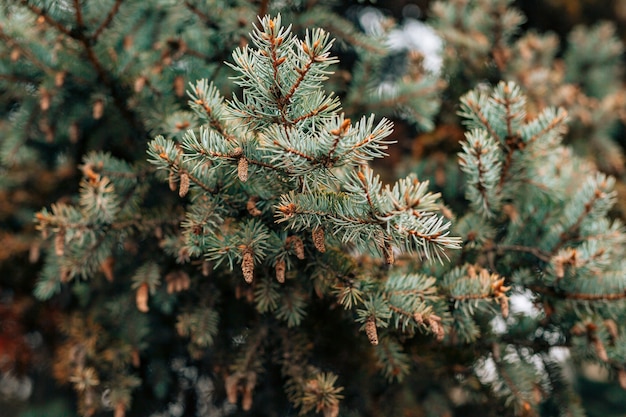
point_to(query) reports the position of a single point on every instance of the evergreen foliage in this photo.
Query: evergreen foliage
(280, 274)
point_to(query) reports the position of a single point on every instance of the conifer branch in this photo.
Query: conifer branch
(538, 253)
(277, 205)
(31, 56)
(107, 20)
(48, 19)
(87, 44)
(205, 18)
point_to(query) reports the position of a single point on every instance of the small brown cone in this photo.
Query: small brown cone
(98, 109)
(370, 330)
(15, 54)
(298, 246)
(242, 169)
(318, 239)
(434, 322)
(247, 265)
(251, 207)
(59, 79)
(246, 400)
(139, 84)
(141, 298)
(280, 271)
(184, 184)
(44, 100)
(231, 385)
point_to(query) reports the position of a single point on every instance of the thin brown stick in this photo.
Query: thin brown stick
(107, 20)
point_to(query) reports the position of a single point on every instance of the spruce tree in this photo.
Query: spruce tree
(238, 253)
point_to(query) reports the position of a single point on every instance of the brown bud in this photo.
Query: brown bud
(247, 265)
(182, 125)
(172, 181)
(141, 298)
(107, 268)
(242, 169)
(280, 270)
(318, 239)
(288, 210)
(184, 184)
(370, 330)
(345, 125)
(98, 109)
